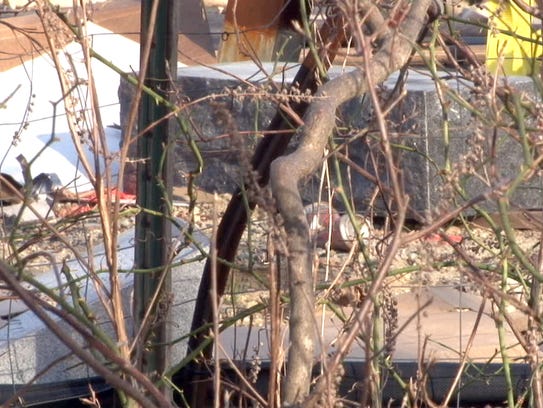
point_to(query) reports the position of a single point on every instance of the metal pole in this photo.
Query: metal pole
(153, 232)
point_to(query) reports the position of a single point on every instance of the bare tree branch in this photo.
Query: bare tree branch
(288, 171)
(38, 308)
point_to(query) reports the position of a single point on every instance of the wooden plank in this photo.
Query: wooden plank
(194, 46)
(22, 37)
(347, 57)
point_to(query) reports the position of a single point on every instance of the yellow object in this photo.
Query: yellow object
(513, 44)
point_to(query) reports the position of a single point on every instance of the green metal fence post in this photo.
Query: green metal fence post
(153, 232)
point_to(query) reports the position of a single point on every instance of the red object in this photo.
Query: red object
(115, 194)
(88, 201)
(318, 217)
(438, 239)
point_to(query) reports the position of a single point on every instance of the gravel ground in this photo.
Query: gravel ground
(429, 261)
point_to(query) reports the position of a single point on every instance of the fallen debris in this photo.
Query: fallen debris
(326, 224)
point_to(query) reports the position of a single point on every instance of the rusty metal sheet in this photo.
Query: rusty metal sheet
(252, 29)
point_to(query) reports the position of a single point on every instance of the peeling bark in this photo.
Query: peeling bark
(288, 171)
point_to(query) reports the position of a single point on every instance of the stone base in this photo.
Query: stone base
(29, 348)
(430, 152)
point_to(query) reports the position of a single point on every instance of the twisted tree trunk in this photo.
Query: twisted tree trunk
(397, 39)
